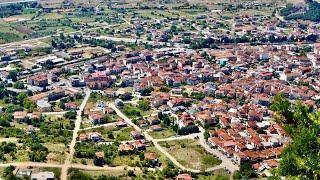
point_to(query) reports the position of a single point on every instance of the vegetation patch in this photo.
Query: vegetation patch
(190, 154)
(166, 133)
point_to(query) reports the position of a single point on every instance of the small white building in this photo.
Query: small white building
(43, 176)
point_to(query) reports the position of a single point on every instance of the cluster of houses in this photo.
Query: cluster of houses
(248, 143)
(91, 136)
(243, 24)
(125, 148)
(237, 89)
(138, 145)
(153, 122)
(230, 89)
(43, 99)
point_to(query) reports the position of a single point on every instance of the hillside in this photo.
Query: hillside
(311, 11)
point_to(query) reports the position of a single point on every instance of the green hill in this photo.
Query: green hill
(311, 12)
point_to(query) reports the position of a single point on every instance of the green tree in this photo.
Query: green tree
(19, 85)
(71, 115)
(8, 173)
(131, 173)
(110, 135)
(164, 89)
(105, 177)
(78, 175)
(98, 161)
(38, 152)
(206, 134)
(300, 114)
(146, 91)
(54, 44)
(246, 171)
(144, 105)
(282, 105)
(29, 105)
(13, 75)
(301, 158)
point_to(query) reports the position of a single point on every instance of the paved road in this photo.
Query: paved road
(67, 164)
(220, 166)
(126, 21)
(124, 117)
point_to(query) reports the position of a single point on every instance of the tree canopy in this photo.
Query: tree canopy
(301, 157)
(293, 12)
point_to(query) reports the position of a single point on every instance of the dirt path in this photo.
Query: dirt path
(149, 138)
(77, 166)
(67, 164)
(226, 163)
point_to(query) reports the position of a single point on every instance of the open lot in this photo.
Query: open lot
(219, 174)
(56, 152)
(190, 154)
(96, 174)
(92, 102)
(166, 133)
(112, 133)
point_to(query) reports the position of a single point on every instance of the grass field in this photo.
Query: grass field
(162, 158)
(56, 152)
(219, 174)
(8, 33)
(190, 154)
(17, 18)
(166, 133)
(14, 140)
(129, 160)
(20, 155)
(122, 134)
(96, 174)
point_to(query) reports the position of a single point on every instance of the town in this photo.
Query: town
(155, 90)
